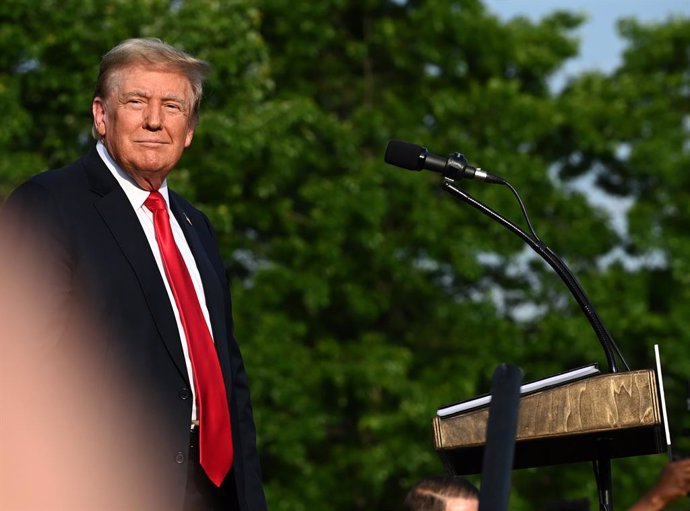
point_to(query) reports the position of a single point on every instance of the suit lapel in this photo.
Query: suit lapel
(117, 212)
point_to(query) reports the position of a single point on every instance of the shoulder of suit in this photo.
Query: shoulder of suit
(65, 176)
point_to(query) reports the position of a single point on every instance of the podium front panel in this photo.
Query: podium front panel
(616, 413)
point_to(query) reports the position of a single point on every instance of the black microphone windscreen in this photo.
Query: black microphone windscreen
(405, 155)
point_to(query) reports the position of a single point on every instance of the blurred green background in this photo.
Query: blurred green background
(366, 297)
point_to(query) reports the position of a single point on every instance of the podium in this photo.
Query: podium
(602, 417)
(616, 415)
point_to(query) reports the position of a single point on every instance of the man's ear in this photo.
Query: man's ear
(188, 138)
(100, 115)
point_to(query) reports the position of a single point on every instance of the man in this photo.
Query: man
(443, 493)
(138, 300)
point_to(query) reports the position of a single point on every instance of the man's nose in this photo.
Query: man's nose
(153, 118)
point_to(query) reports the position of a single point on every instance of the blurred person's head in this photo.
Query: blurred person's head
(442, 493)
(53, 442)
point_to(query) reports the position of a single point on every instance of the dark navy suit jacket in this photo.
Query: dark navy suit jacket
(102, 268)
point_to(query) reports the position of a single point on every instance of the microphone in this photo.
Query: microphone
(415, 157)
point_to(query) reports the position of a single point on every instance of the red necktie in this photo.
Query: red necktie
(215, 438)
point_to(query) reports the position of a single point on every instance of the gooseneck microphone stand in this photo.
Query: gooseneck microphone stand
(607, 342)
(602, 463)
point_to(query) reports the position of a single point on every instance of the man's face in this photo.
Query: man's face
(461, 504)
(145, 122)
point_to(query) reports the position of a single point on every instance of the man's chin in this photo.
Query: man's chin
(149, 176)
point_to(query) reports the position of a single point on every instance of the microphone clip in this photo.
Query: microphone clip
(457, 167)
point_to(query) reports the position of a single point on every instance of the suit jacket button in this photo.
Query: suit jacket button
(184, 393)
(179, 457)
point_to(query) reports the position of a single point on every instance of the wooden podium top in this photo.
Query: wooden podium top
(616, 414)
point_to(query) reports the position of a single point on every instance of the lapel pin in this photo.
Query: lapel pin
(187, 218)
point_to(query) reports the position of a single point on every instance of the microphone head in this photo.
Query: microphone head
(405, 155)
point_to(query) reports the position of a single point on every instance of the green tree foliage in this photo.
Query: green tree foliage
(629, 134)
(365, 297)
